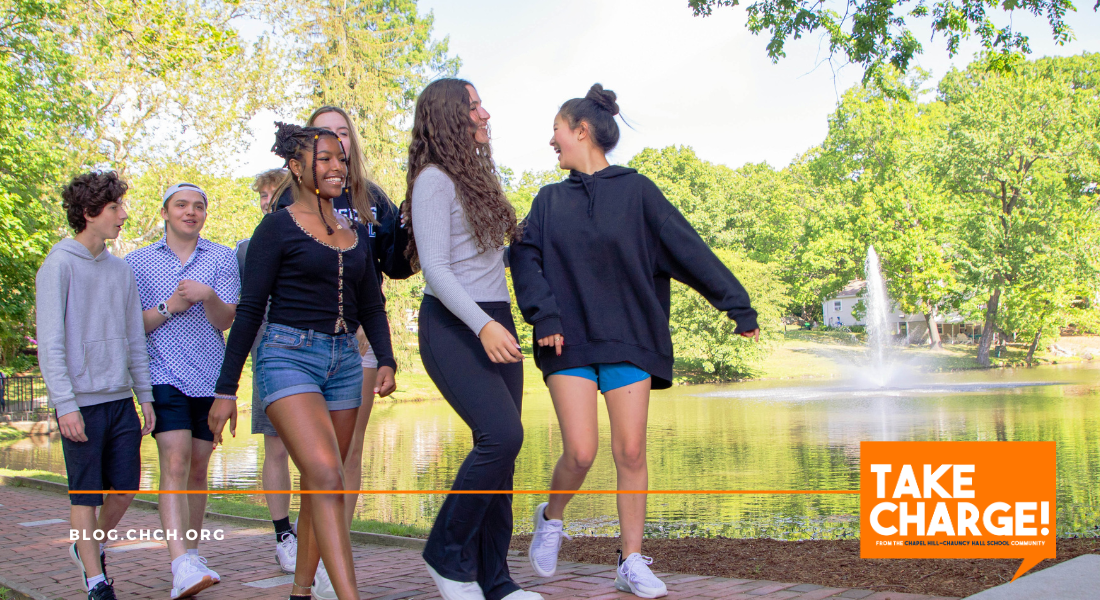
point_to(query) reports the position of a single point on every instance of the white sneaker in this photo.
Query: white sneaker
(546, 543)
(211, 572)
(286, 553)
(83, 572)
(634, 576)
(455, 590)
(190, 577)
(523, 595)
(322, 586)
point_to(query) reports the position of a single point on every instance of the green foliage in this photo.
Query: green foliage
(1022, 159)
(163, 92)
(40, 104)
(877, 36)
(707, 349)
(369, 57)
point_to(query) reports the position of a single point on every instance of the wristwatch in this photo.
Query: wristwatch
(162, 308)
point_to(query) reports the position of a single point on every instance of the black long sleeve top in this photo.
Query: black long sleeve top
(388, 238)
(311, 285)
(595, 263)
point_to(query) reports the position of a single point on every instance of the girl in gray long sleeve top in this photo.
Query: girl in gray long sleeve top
(460, 220)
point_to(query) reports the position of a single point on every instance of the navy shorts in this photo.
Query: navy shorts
(111, 458)
(176, 411)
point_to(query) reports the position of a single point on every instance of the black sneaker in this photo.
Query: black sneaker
(103, 563)
(104, 590)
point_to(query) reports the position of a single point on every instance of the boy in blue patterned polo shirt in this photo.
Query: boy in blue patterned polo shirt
(189, 290)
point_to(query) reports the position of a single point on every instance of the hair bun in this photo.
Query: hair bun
(287, 142)
(604, 98)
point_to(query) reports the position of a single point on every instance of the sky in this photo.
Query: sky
(681, 80)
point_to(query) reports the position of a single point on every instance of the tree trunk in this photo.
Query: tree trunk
(988, 330)
(933, 332)
(1034, 343)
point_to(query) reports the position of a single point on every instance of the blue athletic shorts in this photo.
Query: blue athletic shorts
(608, 376)
(296, 361)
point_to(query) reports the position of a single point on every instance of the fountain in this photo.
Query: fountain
(884, 373)
(877, 304)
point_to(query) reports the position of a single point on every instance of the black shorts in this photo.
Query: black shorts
(111, 458)
(175, 411)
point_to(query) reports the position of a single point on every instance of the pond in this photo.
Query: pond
(765, 435)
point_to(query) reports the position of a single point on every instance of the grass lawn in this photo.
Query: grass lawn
(242, 508)
(10, 433)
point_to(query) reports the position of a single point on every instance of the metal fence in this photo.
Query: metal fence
(23, 397)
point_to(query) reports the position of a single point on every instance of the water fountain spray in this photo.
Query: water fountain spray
(878, 324)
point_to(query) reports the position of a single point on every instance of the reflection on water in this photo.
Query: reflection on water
(757, 435)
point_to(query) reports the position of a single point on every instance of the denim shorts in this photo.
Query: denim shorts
(298, 361)
(608, 376)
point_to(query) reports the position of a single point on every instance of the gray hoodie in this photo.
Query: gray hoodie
(91, 339)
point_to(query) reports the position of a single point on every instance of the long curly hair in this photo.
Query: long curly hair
(443, 135)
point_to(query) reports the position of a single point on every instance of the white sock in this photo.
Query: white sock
(94, 581)
(194, 551)
(102, 547)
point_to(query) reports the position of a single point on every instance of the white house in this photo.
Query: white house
(837, 310)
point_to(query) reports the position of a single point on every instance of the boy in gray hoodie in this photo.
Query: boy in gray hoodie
(91, 350)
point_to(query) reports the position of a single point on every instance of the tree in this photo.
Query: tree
(1022, 159)
(40, 103)
(876, 34)
(707, 349)
(878, 163)
(173, 86)
(369, 57)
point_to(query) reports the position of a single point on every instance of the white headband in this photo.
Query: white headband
(182, 186)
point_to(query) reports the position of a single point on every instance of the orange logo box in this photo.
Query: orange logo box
(958, 500)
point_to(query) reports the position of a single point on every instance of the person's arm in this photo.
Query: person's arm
(139, 356)
(433, 195)
(533, 294)
(151, 318)
(372, 318)
(51, 299)
(687, 259)
(219, 302)
(262, 263)
(390, 239)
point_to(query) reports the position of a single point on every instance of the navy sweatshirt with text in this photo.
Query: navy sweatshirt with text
(595, 262)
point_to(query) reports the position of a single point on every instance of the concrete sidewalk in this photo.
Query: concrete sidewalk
(34, 538)
(1077, 579)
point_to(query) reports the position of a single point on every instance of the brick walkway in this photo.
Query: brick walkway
(34, 540)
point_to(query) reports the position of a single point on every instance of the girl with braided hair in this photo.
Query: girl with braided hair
(365, 201)
(460, 221)
(315, 267)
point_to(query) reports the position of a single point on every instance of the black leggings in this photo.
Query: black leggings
(470, 538)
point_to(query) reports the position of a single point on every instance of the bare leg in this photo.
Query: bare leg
(83, 519)
(114, 506)
(575, 404)
(196, 503)
(317, 440)
(276, 476)
(628, 408)
(174, 450)
(353, 464)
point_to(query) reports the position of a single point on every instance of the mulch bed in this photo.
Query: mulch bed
(833, 563)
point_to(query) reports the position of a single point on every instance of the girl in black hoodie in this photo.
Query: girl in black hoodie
(592, 275)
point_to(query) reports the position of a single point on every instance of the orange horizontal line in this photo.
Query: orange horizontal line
(429, 492)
